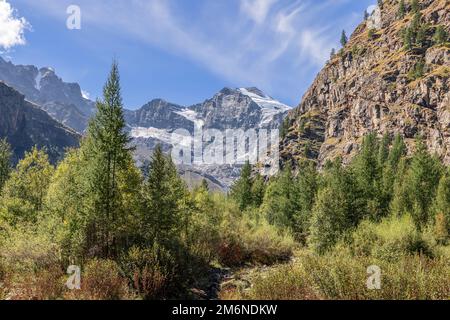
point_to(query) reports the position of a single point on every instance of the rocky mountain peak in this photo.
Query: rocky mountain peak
(25, 125)
(63, 101)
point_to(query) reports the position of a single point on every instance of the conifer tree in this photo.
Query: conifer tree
(337, 208)
(390, 173)
(367, 174)
(422, 181)
(399, 203)
(344, 39)
(440, 36)
(241, 191)
(258, 190)
(304, 195)
(163, 193)
(107, 148)
(5, 162)
(280, 200)
(398, 150)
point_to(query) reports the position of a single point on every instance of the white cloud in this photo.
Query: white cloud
(287, 40)
(12, 28)
(257, 10)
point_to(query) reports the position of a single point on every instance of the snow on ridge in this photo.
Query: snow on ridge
(265, 101)
(269, 107)
(37, 81)
(191, 115)
(162, 135)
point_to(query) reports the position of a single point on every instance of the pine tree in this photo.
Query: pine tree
(279, 203)
(416, 21)
(390, 172)
(408, 38)
(383, 150)
(367, 174)
(337, 208)
(421, 36)
(241, 191)
(440, 36)
(398, 150)
(163, 192)
(366, 15)
(344, 39)
(5, 162)
(107, 148)
(258, 190)
(401, 9)
(329, 220)
(304, 195)
(422, 181)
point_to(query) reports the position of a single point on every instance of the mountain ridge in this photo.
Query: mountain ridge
(369, 87)
(25, 125)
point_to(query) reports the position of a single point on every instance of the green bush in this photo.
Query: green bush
(389, 240)
(251, 239)
(340, 275)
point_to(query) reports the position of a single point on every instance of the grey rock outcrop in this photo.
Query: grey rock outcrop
(368, 87)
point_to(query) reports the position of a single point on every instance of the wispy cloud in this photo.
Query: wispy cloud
(257, 10)
(247, 42)
(12, 28)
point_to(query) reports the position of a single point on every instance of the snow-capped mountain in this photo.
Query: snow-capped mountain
(65, 102)
(242, 108)
(153, 123)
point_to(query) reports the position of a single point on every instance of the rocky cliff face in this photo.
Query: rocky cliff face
(25, 125)
(63, 101)
(375, 84)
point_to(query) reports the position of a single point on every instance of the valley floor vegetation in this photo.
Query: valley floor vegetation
(142, 234)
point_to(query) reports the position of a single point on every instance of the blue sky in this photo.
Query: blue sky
(186, 50)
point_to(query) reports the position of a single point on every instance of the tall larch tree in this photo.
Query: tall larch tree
(107, 148)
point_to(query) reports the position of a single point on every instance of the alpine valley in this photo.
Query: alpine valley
(151, 124)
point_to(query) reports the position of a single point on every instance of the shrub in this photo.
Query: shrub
(25, 249)
(252, 239)
(417, 71)
(101, 281)
(339, 275)
(389, 240)
(285, 283)
(149, 271)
